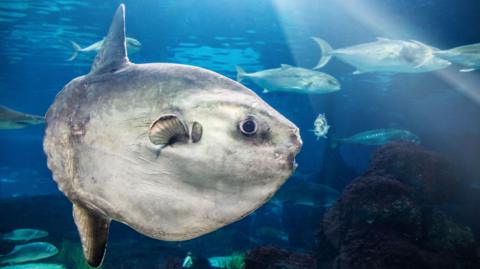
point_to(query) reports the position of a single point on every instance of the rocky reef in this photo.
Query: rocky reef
(389, 218)
(269, 257)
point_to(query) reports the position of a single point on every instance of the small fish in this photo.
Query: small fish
(133, 46)
(29, 252)
(226, 261)
(188, 261)
(271, 233)
(34, 266)
(291, 79)
(300, 191)
(24, 235)
(384, 55)
(378, 137)
(320, 126)
(467, 56)
(11, 119)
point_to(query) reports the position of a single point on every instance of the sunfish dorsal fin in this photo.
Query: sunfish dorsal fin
(93, 230)
(113, 53)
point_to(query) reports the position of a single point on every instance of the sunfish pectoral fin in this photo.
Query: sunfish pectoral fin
(168, 129)
(113, 53)
(463, 70)
(93, 229)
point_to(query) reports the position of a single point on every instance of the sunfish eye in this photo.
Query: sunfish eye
(248, 126)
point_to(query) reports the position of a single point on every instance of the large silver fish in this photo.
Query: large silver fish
(384, 55)
(24, 235)
(291, 79)
(29, 252)
(11, 119)
(173, 151)
(467, 56)
(133, 46)
(378, 137)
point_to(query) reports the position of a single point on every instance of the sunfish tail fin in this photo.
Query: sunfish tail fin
(240, 73)
(326, 50)
(76, 50)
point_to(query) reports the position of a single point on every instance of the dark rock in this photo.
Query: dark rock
(409, 163)
(274, 258)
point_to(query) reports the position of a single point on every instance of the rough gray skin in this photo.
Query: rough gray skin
(100, 154)
(11, 119)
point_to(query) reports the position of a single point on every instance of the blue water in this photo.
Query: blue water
(441, 107)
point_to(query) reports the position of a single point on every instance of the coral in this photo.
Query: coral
(409, 163)
(387, 218)
(273, 258)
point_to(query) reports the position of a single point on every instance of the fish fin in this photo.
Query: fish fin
(285, 66)
(93, 229)
(357, 72)
(76, 50)
(240, 73)
(167, 129)
(113, 53)
(265, 90)
(326, 50)
(464, 70)
(383, 38)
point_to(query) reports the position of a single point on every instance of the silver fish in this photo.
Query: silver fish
(173, 151)
(11, 119)
(384, 55)
(29, 252)
(291, 79)
(133, 46)
(320, 126)
(24, 235)
(378, 137)
(467, 56)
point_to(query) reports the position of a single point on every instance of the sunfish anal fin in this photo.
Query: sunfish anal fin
(113, 53)
(93, 230)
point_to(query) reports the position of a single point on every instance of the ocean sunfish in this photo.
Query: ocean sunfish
(378, 137)
(24, 235)
(11, 119)
(173, 151)
(133, 46)
(467, 56)
(384, 55)
(291, 79)
(29, 252)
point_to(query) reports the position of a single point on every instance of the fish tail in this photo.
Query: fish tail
(76, 49)
(240, 73)
(326, 50)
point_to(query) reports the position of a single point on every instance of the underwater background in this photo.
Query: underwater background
(343, 202)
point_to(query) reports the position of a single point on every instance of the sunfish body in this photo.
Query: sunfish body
(24, 235)
(291, 79)
(173, 151)
(11, 119)
(467, 56)
(29, 252)
(133, 46)
(34, 266)
(378, 137)
(384, 55)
